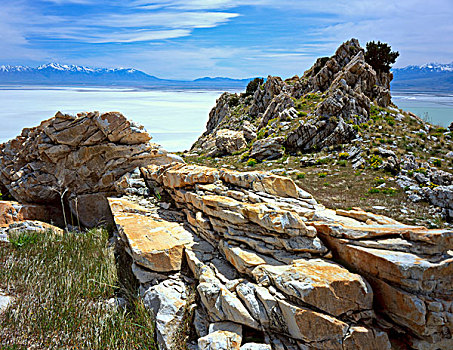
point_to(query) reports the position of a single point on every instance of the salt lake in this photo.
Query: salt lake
(175, 119)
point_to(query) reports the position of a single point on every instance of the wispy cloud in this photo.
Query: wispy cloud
(190, 38)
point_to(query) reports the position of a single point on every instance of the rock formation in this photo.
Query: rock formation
(266, 259)
(314, 111)
(77, 158)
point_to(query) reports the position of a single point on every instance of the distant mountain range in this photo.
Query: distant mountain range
(58, 74)
(429, 77)
(434, 77)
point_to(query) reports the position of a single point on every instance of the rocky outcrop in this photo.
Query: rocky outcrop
(314, 111)
(265, 257)
(319, 134)
(409, 269)
(270, 148)
(422, 181)
(14, 212)
(76, 159)
(228, 142)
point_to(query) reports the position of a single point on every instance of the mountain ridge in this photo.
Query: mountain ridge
(427, 77)
(56, 73)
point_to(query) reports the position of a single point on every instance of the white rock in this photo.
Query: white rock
(166, 301)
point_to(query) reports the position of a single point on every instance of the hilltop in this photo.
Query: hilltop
(336, 131)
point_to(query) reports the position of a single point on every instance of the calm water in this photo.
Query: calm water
(434, 108)
(175, 119)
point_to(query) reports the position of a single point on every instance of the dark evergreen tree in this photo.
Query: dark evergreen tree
(380, 56)
(253, 85)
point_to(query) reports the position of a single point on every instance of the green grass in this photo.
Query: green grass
(60, 284)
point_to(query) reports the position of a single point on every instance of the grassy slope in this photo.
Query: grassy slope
(61, 284)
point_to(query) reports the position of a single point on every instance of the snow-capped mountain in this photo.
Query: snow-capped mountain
(427, 77)
(428, 67)
(62, 74)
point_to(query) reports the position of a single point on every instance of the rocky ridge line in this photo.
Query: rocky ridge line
(263, 257)
(343, 88)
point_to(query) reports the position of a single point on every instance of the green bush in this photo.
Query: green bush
(300, 176)
(23, 239)
(342, 162)
(252, 162)
(438, 163)
(233, 101)
(321, 175)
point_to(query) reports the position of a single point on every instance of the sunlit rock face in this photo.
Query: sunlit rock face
(264, 257)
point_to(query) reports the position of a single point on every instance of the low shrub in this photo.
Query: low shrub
(252, 162)
(343, 155)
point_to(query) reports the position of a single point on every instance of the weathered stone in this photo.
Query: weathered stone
(154, 243)
(220, 340)
(269, 148)
(311, 326)
(68, 157)
(166, 301)
(222, 305)
(11, 212)
(32, 226)
(323, 285)
(228, 142)
(5, 301)
(92, 209)
(361, 338)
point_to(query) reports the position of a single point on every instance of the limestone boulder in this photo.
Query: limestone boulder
(67, 157)
(269, 149)
(228, 141)
(153, 242)
(167, 302)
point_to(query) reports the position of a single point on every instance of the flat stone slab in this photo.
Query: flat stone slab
(153, 242)
(11, 212)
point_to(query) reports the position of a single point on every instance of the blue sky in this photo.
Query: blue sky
(195, 38)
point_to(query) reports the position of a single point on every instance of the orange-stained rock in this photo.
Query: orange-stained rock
(311, 326)
(410, 271)
(361, 338)
(324, 285)
(365, 216)
(14, 212)
(243, 260)
(153, 242)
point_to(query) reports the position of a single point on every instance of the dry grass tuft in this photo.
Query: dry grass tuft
(61, 284)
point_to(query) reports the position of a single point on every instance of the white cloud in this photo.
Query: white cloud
(173, 19)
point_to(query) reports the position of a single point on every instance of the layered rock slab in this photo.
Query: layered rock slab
(259, 223)
(153, 242)
(77, 159)
(409, 269)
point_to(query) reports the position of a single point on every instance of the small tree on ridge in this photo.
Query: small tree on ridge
(380, 56)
